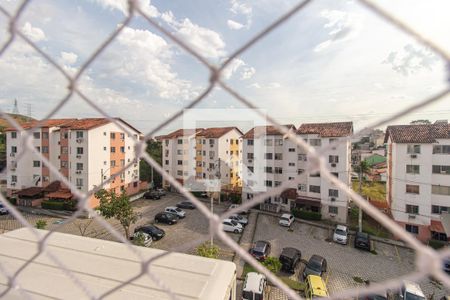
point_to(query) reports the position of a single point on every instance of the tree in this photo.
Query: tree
(362, 168)
(420, 122)
(154, 149)
(272, 264)
(117, 207)
(139, 239)
(41, 224)
(208, 250)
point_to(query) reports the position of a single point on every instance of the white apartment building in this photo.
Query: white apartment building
(274, 159)
(418, 179)
(86, 151)
(204, 154)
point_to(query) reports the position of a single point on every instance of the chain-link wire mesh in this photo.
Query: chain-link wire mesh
(428, 261)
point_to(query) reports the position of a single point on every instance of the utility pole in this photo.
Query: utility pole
(360, 193)
(212, 211)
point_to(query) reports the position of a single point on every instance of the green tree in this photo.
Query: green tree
(208, 250)
(117, 207)
(154, 149)
(272, 264)
(420, 122)
(362, 168)
(41, 224)
(139, 239)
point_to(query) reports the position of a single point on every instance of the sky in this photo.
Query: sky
(332, 61)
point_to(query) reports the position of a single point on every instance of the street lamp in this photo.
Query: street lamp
(218, 175)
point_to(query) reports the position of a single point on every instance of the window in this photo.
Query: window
(79, 134)
(250, 169)
(13, 149)
(250, 142)
(45, 135)
(211, 154)
(122, 162)
(314, 174)
(64, 150)
(268, 169)
(231, 141)
(412, 169)
(301, 157)
(38, 149)
(302, 187)
(440, 190)
(179, 152)
(113, 149)
(335, 174)
(79, 181)
(315, 142)
(180, 173)
(231, 152)
(291, 178)
(44, 149)
(180, 141)
(79, 150)
(278, 156)
(64, 164)
(113, 163)
(211, 141)
(36, 163)
(412, 229)
(436, 209)
(441, 170)
(166, 142)
(167, 162)
(13, 178)
(412, 209)
(79, 166)
(300, 171)
(333, 193)
(412, 189)
(268, 142)
(37, 135)
(441, 149)
(291, 149)
(278, 170)
(122, 136)
(179, 162)
(278, 142)
(104, 148)
(314, 189)
(65, 135)
(113, 135)
(268, 155)
(14, 134)
(277, 183)
(291, 164)
(199, 164)
(332, 210)
(333, 140)
(122, 149)
(413, 149)
(333, 159)
(268, 183)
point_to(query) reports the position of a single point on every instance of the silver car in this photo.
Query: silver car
(240, 219)
(340, 235)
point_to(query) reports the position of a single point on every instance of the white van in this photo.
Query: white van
(254, 286)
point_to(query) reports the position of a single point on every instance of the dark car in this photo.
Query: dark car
(167, 218)
(155, 232)
(186, 205)
(290, 258)
(3, 210)
(362, 241)
(446, 265)
(260, 250)
(152, 195)
(317, 265)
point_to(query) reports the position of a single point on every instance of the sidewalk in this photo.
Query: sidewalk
(46, 212)
(246, 240)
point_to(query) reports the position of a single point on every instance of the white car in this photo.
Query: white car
(286, 220)
(340, 234)
(176, 211)
(240, 219)
(235, 206)
(411, 291)
(232, 226)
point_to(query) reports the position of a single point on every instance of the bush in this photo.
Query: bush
(41, 224)
(139, 239)
(306, 215)
(273, 264)
(59, 205)
(436, 244)
(206, 250)
(236, 198)
(13, 201)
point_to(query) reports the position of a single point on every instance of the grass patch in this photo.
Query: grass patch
(295, 285)
(247, 268)
(358, 279)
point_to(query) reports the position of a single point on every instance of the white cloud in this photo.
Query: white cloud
(232, 67)
(274, 85)
(34, 33)
(411, 59)
(247, 73)
(122, 5)
(68, 58)
(341, 26)
(234, 25)
(255, 85)
(270, 85)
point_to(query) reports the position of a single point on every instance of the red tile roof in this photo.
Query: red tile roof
(85, 124)
(421, 133)
(336, 129)
(265, 130)
(179, 133)
(44, 123)
(216, 132)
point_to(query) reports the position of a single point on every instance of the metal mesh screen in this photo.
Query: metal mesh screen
(428, 261)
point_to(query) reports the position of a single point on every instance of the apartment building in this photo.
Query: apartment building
(86, 151)
(193, 155)
(270, 159)
(418, 178)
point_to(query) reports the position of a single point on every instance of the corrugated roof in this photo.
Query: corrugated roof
(421, 133)
(216, 132)
(335, 129)
(265, 130)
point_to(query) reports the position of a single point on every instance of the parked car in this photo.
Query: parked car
(152, 195)
(315, 287)
(260, 250)
(411, 291)
(161, 192)
(155, 232)
(3, 210)
(362, 241)
(186, 205)
(240, 219)
(176, 211)
(286, 220)
(167, 218)
(147, 238)
(254, 286)
(232, 226)
(317, 265)
(446, 265)
(340, 234)
(290, 258)
(235, 206)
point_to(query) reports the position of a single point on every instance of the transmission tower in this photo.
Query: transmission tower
(15, 108)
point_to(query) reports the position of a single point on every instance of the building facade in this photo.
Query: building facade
(418, 177)
(86, 151)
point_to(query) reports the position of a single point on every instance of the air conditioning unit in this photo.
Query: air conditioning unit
(332, 215)
(413, 155)
(78, 156)
(411, 216)
(13, 183)
(333, 165)
(78, 172)
(79, 140)
(12, 154)
(332, 199)
(250, 160)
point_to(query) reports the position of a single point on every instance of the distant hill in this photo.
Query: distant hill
(19, 119)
